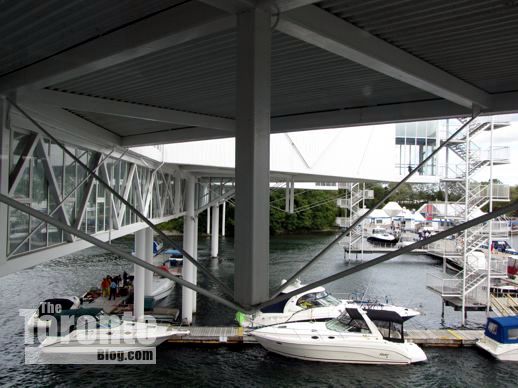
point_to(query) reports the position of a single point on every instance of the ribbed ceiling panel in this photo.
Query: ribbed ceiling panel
(306, 78)
(123, 126)
(33, 30)
(475, 40)
(200, 76)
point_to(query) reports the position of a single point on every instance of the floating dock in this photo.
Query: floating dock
(238, 336)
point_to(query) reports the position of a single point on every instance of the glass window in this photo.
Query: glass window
(400, 130)
(512, 334)
(18, 230)
(421, 129)
(411, 130)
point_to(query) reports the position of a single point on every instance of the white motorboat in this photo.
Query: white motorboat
(315, 304)
(501, 338)
(380, 236)
(162, 287)
(85, 331)
(49, 307)
(351, 338)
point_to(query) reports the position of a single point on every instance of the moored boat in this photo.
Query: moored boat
(353, 337)
(315, 304)
(85, 331)
(380, 236)
(501, 338)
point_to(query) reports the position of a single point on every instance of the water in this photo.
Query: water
(401, 281)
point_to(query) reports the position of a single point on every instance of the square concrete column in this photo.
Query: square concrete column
(252, 240)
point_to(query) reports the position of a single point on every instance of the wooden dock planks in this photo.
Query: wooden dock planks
(237, 335)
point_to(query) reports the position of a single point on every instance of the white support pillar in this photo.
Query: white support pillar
(214, 240)
(194, 269)
(148, 287)
(251, 276)
(139, 273)
(188, 246)
(208, 220)
(4, 178)
(223, 218)
(177, 193)
(287, 197)
(292, 196)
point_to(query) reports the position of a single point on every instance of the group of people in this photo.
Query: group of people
(110, 285)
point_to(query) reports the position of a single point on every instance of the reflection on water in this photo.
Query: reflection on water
(401, 281)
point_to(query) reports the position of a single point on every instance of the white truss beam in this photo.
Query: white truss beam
(177, 25)
(125, 109)
(25, 158)
(320, 28)
(137, 187)
(114, 216)
(149, 194)
(126, 193)
(86, 193)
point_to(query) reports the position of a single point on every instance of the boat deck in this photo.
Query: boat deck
(238, 336)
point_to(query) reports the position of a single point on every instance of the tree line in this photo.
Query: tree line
(311, 218)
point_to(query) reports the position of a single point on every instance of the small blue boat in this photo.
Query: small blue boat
(501, 338)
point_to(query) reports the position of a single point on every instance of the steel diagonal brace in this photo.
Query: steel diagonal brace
(360, 267)
(382, 201)
(144, 219)
(110, 248)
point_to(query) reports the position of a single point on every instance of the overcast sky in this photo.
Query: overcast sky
(507, 136)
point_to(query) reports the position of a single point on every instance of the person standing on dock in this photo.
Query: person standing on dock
(113, 289)
(105, 287)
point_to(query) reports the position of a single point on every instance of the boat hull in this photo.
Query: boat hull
(129, 337)
(382, 241)
(359, 351)
(502, 352)
(162, 287)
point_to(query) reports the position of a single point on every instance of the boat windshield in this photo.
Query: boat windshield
(347, 324)
(317, 299)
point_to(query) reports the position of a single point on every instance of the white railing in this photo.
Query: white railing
(501, 154)
(444, 247)
(368, 194)
(498, 266)
(443, 285)
(342, 203)
(501, 192)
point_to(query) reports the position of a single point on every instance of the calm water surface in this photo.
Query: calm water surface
(400, 281)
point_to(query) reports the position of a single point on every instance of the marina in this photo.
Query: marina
(258, 193)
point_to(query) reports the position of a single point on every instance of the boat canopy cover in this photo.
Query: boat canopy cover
(48, 306)
(503, 329)
(384, 315)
